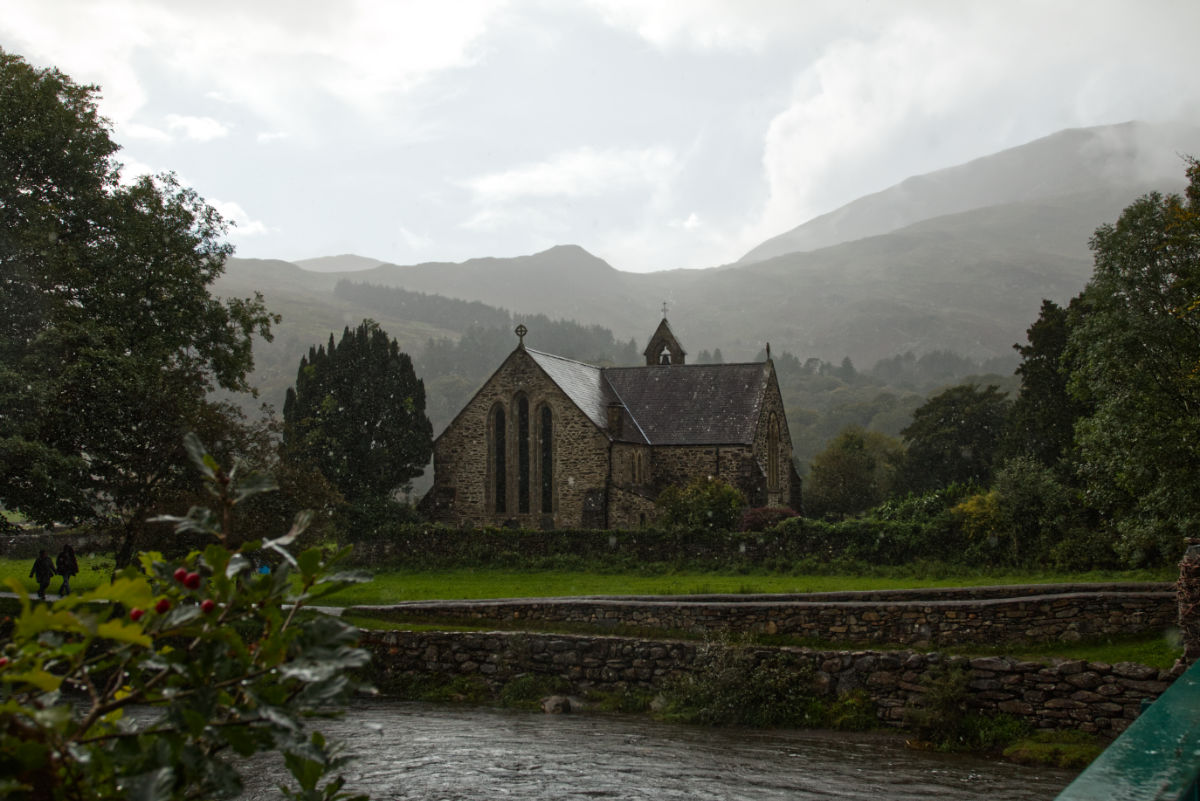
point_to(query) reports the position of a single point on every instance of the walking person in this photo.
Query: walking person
(43, 571)
(67, 566)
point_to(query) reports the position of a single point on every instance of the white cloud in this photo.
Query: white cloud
(132, 169)
(718, 24)
(577, 173)
(135, 130)
(201, 129)
(243, 225)
(271, 136)
(415, 242)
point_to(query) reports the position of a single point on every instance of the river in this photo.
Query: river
(448, 753)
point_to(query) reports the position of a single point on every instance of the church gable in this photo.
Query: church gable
(663, 348)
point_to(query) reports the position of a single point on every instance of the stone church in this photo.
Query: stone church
(550, 442)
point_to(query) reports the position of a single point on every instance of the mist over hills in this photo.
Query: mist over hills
(959, 260)
(1071, 162)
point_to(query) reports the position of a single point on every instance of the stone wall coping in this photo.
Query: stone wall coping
(864, 600)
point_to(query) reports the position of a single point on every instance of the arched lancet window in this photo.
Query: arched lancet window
(499, 462)
(523, 454)
(546, 438)
(773, 454)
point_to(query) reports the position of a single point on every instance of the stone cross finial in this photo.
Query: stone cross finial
(521, 331)
(664, 310)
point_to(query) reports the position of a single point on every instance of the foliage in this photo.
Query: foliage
(357, 413)
(855, 472)
(1069, 748)
(733, 685)
(941, 716)
(156, 684)
(705, 503)
(528, 690)
(110, 339)
(762, 518)
(1041, 422)
(954, 437)
(1134, 350)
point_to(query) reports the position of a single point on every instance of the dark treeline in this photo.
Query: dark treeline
(449, 313)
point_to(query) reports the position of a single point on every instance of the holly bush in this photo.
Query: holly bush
(161, 682)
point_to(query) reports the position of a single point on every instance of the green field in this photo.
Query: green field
(390, 586)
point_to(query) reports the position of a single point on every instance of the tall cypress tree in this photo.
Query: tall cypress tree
(357, 414)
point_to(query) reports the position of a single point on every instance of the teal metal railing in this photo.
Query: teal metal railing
(1156, 759)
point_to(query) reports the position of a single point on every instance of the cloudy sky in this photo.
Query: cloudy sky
(654, 133)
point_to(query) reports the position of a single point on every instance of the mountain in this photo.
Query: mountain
(1072, 162)
(956, 260)
(347, 262)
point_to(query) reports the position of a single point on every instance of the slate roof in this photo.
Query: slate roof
(690, 404)
(583, 383)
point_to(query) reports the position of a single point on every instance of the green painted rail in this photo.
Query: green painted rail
(1156, 759)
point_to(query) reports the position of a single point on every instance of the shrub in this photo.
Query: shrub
(762, 518)
(705, 503)
(943, 718)
(224, 662)
(735, 686)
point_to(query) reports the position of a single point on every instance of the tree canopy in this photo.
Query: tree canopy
(1134, 349)
(954, 437)
(110, 339)
(854, 472)
(357, 414)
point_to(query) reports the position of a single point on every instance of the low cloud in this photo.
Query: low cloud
(584, 172)
(243, 225)
(200, 129)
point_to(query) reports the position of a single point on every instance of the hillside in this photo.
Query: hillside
(1071, 162)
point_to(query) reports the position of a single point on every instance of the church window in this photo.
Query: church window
(499, 462)
(547, 447)
(523, 455)
(773, 454)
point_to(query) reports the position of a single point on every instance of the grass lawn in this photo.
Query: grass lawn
(93, 570)
(390, 586)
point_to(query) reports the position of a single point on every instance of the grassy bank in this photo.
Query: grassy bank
(390, 586)
(393, 585)
(94, 569)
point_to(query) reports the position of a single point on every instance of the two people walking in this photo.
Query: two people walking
(44, 569)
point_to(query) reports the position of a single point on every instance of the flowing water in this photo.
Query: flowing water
(443, 753)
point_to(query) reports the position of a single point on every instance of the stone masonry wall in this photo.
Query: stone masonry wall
(461, 454)
(773, 404)
(1064, 694)
(1044, 616)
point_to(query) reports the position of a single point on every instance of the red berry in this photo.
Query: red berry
(192, 581)
(180, 574)
(162, 605)
(3, 661)
(207, 605)
(135, 614)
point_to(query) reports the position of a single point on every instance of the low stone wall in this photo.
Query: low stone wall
(1064, 694)
(916, 618)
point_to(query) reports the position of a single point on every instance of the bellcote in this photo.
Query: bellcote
(663, 347)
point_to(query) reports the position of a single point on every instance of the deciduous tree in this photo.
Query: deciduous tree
(954, 437)
(1135, 356)
(110, 339)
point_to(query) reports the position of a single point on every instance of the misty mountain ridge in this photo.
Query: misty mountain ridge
(957, 269)
(1070, 162)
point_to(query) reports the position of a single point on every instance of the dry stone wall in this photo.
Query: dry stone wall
(919, 619)
(1091, 696)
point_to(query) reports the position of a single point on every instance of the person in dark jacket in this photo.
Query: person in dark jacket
(67, 566)
(43, 571)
